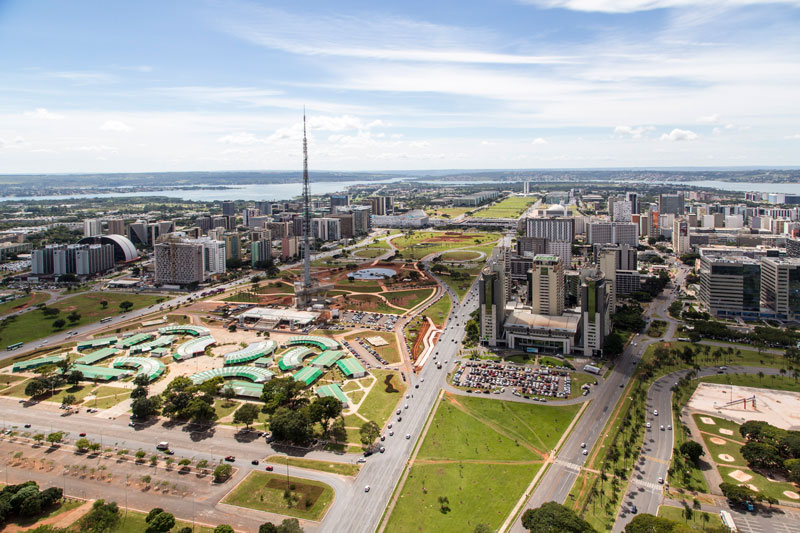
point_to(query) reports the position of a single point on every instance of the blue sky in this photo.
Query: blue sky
(98, 86)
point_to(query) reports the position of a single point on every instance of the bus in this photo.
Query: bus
(14, 346)
(727, 520)
(106, 319)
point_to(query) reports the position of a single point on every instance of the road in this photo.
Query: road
(556, 483)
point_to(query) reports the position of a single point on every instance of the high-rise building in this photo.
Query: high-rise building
(671, 204)
(116, 226)
(614, 233)
(595, 311)
(233, 246)
(492, 301)
(179, 262)
(546, 285)
(228, 208)
(780, 287)
(680, 236)
(92, 227)
(260, 251)
(730, 286)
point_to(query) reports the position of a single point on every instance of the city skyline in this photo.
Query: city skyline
(220, 85)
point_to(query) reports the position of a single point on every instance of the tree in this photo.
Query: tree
(246, 414)
(323, 410)
(60, 323)
(101, 518)
(369, 433)
(282, 392)
(291, 425)
(125, 306)
(553, 517)
(692, 450)
(161, 522)
(222, 472)
(223, 528)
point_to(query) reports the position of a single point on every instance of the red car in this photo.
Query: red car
(269, 468)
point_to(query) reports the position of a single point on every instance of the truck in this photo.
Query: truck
(591, 369)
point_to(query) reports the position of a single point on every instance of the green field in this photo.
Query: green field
(480, 454)
(34, 325)
(408, 299)
(511, 207)
(379, 404)
(266, 492)
(343, 469)
(31, 299)
(697, 521)
(439, 311)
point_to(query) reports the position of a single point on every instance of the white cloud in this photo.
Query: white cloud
(633, 132)
(43, 113)
(679, 135)
(708, 119)
(115, 125)
(632, 6)
(539, 140)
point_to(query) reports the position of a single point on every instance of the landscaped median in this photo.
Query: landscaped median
(273, 493)
(478, 457)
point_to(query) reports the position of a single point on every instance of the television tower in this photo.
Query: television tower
(306, 213)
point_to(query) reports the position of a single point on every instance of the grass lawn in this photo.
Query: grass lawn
(344, 469)
(464, 280)
(34, 325)
(510, 207)
(765, 486)
(408, 299)
(369, 252)
(265, 492)
(134, 522)
(379, 404)
(697, 521)
(461, 255)
(33, 299)
(224, 407)
(657, 328)
(439, 311)
(369, 303)
(476, 494)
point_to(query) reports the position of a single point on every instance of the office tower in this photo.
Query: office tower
(264, 208)
(116, 226)
(92, 227)
(730, 286)
(228, 208)
(233, 246)
(614, 233)
(339, 200)
(622, 211)
(596, 320)
(546, 285)
(680, 236)
(607, 261)
(260, 251)
(552, 229)
(289, 247)
(492, 301)
(179, 262)
(362, 222)
(633, 198)
(671, 204)
(780, 287)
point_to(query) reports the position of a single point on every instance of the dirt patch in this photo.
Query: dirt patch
(740, 476)
(727, 458)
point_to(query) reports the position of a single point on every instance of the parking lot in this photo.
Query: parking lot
(482, 376)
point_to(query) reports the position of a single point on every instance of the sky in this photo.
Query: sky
(98, 86)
